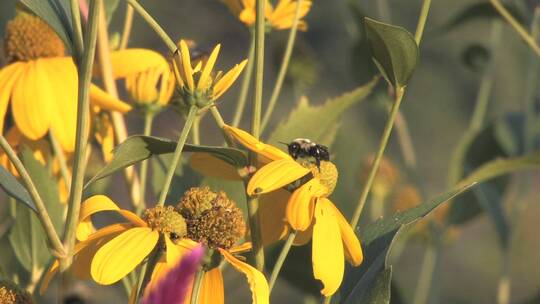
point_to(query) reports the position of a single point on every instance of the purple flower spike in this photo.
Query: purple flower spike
(173, 287)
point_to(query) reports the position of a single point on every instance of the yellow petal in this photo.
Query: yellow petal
(244, 247)
(62, 74)
(208, 67)
(225, 82)
(134, 61)
(275, 175)
(209, 165)
(247, 140)
(8, 77)
(301, 205)
(257, 282)
(327, 251)
(187, 71)
(166, 262)
(33, 115)
(272, 216)
(105, 101)
(105, 136)
(211, 290)
(122, 254)
(353, 249)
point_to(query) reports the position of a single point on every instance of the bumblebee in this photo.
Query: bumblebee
(305, 148)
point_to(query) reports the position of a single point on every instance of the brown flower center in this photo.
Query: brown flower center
(12, 294)
(212, 218)
(27, 37)
(167, 221)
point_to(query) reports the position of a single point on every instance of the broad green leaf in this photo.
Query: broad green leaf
(14, 189)
(380, 292)
(57, 14)
(27, 236)
(376, 240)
(394, 50)
(138, 148)
(318, 123)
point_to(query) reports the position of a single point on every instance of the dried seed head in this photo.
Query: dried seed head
(166, 220)
(27, 37)
(12, 294)
(212, 218)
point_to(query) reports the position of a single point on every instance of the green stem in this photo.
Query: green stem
(427, 269)
(126, 31)
(148, 119)
(197, 286)
(177, 154)
(59, 153)
(281, 259)
(530, 87)
(284, 66)
(380, 152)
(424, 12)
(154, 25)
(196, 136)
(522, 32)
(43, 215)
(246, 81)
(384, 10)
(81, 143)
(148, 268)
(77, 28)
(217, 117)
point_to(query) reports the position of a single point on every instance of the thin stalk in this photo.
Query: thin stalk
(530, 87)
(148, 119)
(375, 166)
(384, 10)
(43, 215)
(504, 285)
(81, 143)
(77, 28)
(154, 25)
(149, 267)
(120, 131)
(284, 66)
(246, 81)
(405, 141)
(522, 32)
(281, 259)
(427, 269)
(59, 153)
(126, 31)
(177, 154)
(196, 134)
(257, 254)
(197, 286)
(400, 92)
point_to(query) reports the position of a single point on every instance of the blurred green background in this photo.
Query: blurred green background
(438, 105)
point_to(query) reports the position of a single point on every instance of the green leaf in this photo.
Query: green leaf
(380, 292)
(57, 14)
(14, 189)
(27, 236)
(377, 239)
(138, 148)
(318, 123)
(394, 50)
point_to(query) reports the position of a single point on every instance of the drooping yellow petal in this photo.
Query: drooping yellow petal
(104, 135)
(211, 290)
(32, 114)
(225, 82)
(99, 203)
(272, 216)
(204, 80)
(105, 101)
(247, 140)
(8, 77)
(301, 205)
(283, 15)
(327, 249)
(353, 249)
(209, 165)
(275, 175)
(133, 61)
(244, 247)
(167, 261)
(186, 69)
(122, 254)
(257, 282)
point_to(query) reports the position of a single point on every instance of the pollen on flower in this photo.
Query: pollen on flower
(212, 218)
(167, 221)
(11, 294)
(27, 37)
(327, 174)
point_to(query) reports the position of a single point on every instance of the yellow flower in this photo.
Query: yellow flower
(281, 17)
(307, 210)
(197, 84)
(41, 83)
